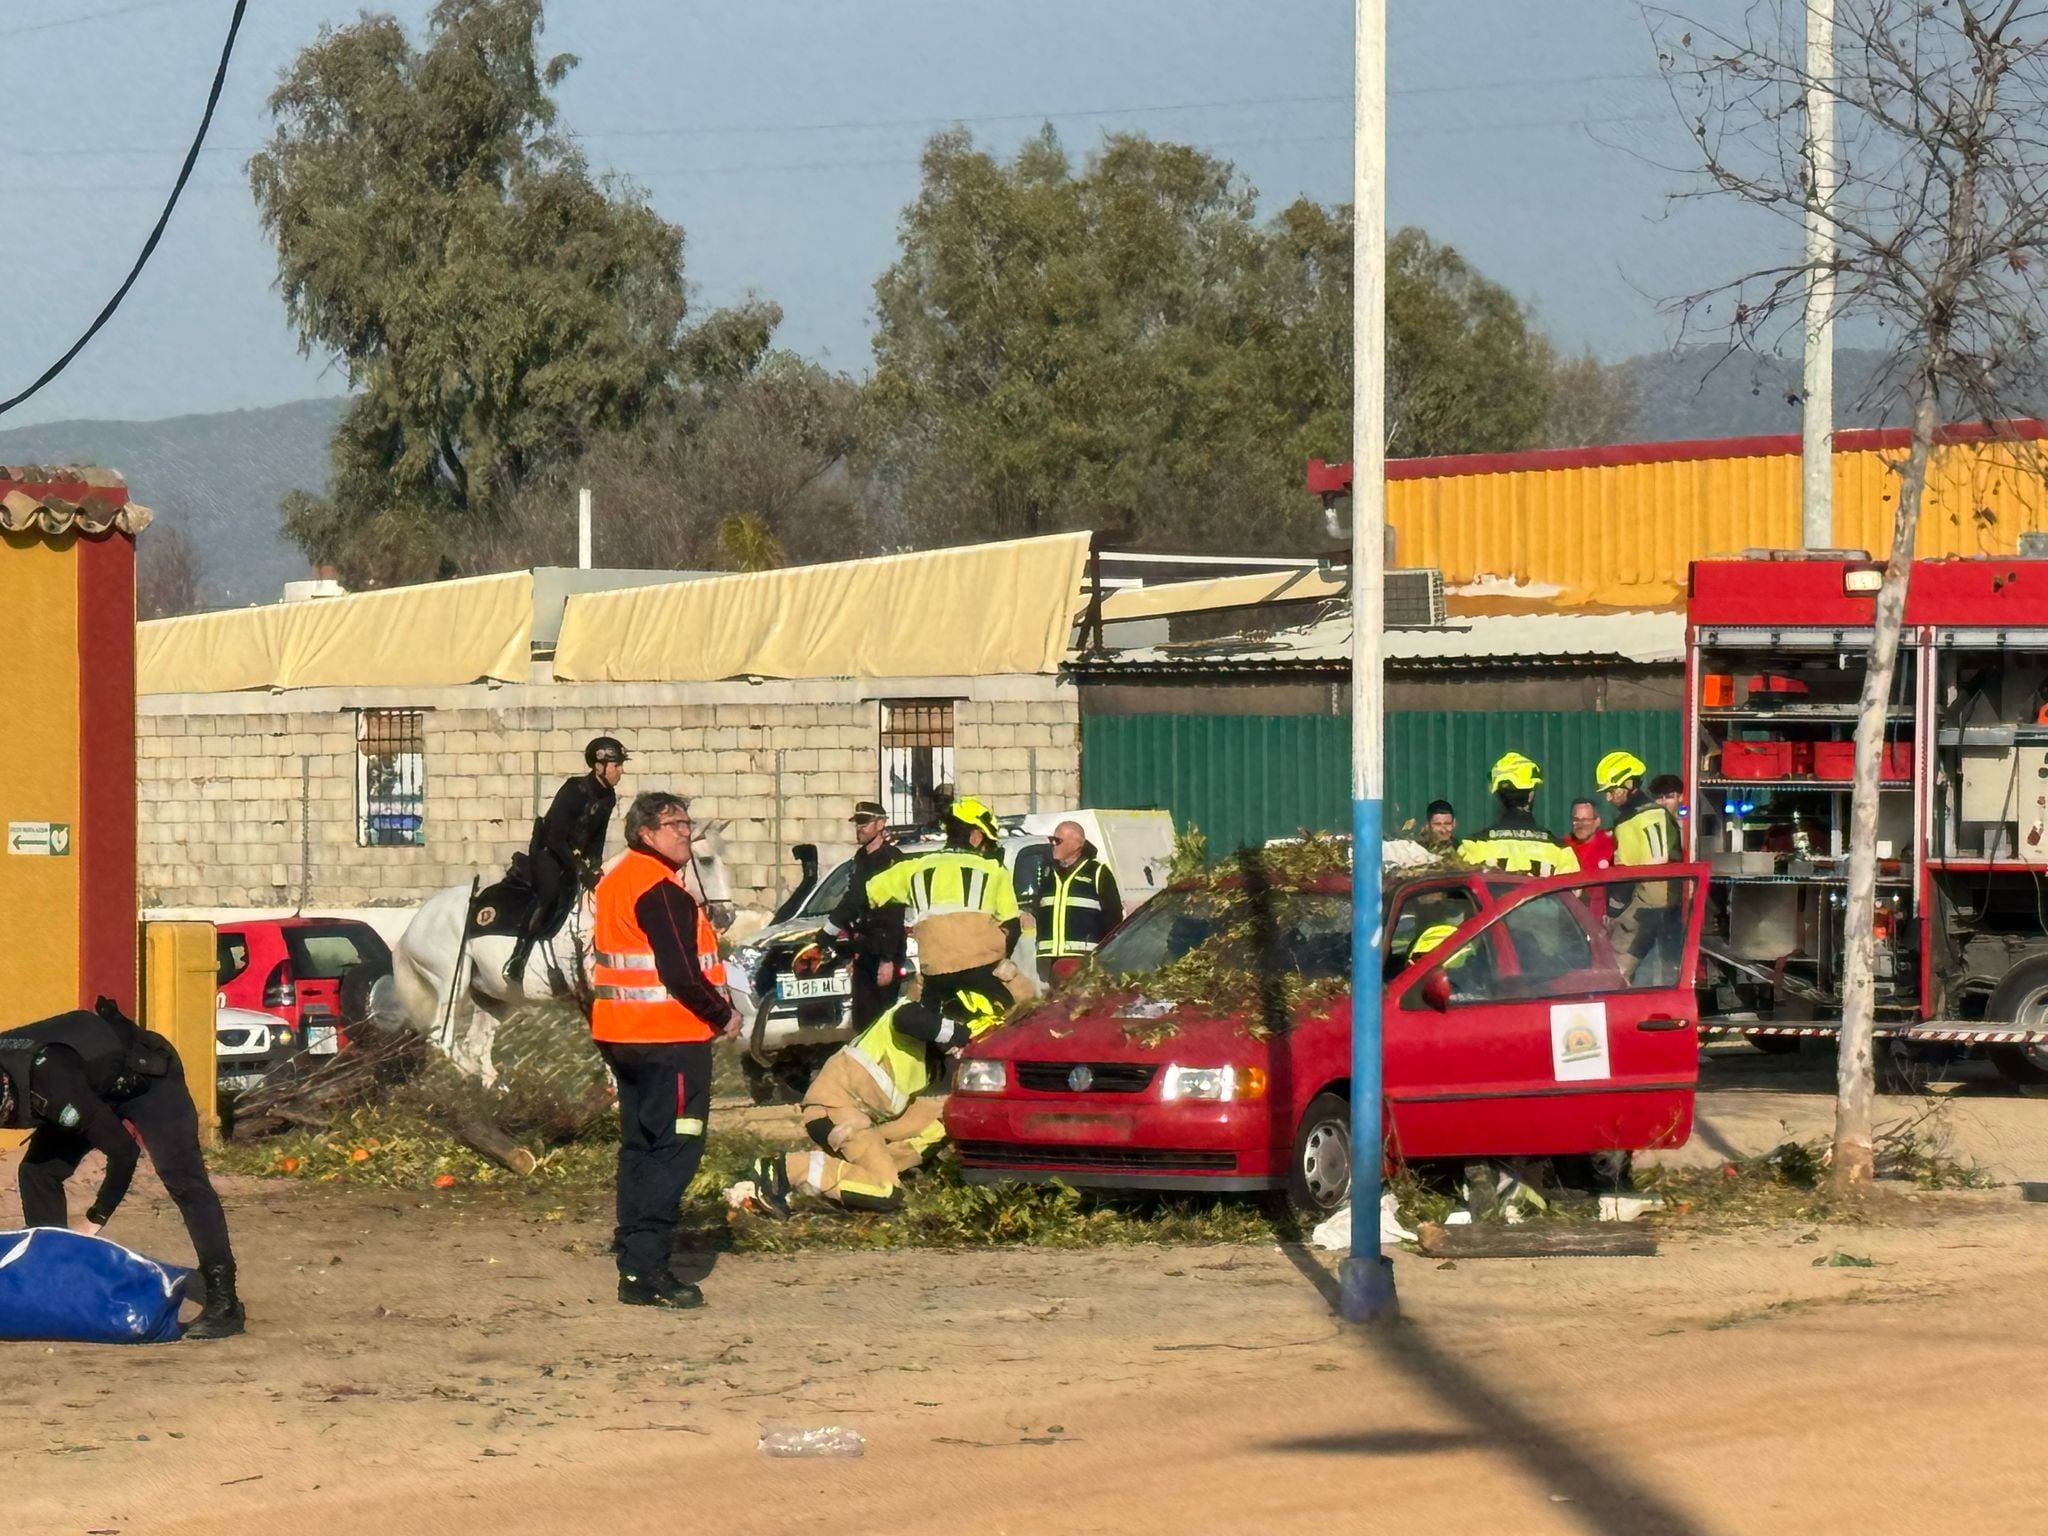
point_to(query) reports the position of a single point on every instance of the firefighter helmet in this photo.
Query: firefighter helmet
(1617, 770)
(1514, 771)
(970, 812)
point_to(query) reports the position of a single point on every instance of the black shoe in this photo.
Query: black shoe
(660, 1291)
(771, 1184)
(222, 1316)
(515, 967)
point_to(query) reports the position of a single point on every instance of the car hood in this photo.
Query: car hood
(1123, 1026)
(792, 931)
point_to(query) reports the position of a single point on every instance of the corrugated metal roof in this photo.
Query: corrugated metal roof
(48, 499)
(1650, 638)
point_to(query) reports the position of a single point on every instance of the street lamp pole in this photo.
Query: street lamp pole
(1366, 1278)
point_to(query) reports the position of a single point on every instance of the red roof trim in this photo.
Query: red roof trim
(1336, 478)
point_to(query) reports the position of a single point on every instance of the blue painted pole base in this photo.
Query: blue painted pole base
(1365, 1290)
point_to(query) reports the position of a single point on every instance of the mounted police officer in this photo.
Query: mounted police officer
(77, 1082)
(567, 851)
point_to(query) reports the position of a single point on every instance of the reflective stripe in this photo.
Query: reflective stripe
(896, 1097)
(1070, 947)
(689, 1127)
(627, 962)
(1089, 902)
(611, 994)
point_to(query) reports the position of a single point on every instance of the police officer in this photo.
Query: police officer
(657, 1001)
(1081, 901)
(567, 851)
(959, 904)
(1515, 842)
(78, 1081)
(1642, 917)
(875, 933)
(877, 1107)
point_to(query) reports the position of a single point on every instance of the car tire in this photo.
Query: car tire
(1319, 1171)
(358, 992)
(2021, 997)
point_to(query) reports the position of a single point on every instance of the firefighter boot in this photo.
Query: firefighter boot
(222, 1316)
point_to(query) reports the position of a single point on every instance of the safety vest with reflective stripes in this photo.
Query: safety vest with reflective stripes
(1520, 851)
(901, 1065)
(1645, 833)
(949, 880)
(629, 1003)
(1070, 918)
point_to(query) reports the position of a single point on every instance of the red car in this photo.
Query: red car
(311, 972)
(1518, 1036)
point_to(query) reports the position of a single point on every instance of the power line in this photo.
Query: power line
(220, 76)
(73, 21)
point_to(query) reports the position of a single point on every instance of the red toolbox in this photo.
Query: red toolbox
(1837, 760)
(1763, 759)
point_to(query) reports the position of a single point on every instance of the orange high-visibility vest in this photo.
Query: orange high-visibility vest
(630, 1005)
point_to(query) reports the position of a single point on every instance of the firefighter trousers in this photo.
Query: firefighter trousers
(859, 1163)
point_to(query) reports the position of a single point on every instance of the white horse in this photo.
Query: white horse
(456, 995)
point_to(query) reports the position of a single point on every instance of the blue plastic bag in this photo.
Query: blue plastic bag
(56, 1284)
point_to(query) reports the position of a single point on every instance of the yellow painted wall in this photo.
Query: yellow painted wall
(38, 775)
(178, 989)
(1625, 534)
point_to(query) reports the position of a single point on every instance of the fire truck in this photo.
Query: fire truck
(1777, 648)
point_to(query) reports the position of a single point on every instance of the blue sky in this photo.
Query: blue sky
(784, 134)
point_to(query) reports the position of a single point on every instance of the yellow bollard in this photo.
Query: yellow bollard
(178, 992)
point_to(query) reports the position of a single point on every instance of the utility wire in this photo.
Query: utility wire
(220, 76)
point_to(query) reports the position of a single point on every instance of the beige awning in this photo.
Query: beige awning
(971, 612)
(436, 635)
(1304, 586)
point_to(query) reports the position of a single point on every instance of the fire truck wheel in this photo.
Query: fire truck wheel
(2021, 998)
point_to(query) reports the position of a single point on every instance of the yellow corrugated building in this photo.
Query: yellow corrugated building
(1617, 526)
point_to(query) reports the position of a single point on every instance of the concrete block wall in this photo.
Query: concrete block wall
(250, 799)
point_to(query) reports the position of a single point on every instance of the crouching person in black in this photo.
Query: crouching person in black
(72, 1081)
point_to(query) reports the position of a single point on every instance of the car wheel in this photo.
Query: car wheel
(359, 991)
(1319, 1174)
(2022, 999)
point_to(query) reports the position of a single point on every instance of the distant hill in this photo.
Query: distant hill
(217, 477)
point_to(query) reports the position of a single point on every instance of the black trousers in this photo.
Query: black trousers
(870, 998)
(554, 893)
(168, 1122)
(664, 1103)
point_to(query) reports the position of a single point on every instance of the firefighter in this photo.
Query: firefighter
(567, 851)
(1514, 842)
(877, 1107)
(80, 1081)
(959, 905)
(1081, 902)
(1641, 915)
(657, 1000)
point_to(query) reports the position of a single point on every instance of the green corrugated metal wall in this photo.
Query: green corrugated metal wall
(1245, 778)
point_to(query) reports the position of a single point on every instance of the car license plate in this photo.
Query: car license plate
(795, 989)
(320, 1040)
(1078, 1127)
(237, 1082)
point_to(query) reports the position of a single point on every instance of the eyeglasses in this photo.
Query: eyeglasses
(672, 826)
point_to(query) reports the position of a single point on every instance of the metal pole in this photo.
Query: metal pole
(1366, 1278)
(1817, 391)
(583, 529)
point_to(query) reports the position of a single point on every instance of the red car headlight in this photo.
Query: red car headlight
(1220, 1084)
(982, 1077)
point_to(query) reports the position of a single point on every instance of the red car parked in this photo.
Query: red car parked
(1518, 1036)
(311, 972)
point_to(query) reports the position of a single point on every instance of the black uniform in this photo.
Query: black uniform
(876, 934)
(1079, 905)
(74, 1079)
(567, 852)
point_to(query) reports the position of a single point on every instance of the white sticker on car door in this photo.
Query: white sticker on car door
(1578, 1042)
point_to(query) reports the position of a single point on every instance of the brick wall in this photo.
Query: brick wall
(250, 799)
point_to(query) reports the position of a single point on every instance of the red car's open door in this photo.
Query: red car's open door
(1561, 1021)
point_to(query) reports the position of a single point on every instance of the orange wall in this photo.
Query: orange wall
(1624, 533)
(39, 745)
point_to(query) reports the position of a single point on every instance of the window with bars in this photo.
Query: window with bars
(917, 758)
(391, 778)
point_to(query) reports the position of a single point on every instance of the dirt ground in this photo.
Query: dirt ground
(418, 1366)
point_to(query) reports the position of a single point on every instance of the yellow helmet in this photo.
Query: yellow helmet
(1616, 769)
(970, 812)
(1430, 938)
(1515, 771)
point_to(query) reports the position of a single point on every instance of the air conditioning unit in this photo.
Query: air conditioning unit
(1414, 598)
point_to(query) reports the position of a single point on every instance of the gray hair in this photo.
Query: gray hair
(649, 807)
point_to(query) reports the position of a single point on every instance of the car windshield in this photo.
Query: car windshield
(1307, 933)
(829, 890)
(326, 954)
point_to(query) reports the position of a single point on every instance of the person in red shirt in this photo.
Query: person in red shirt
(1589, 839)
